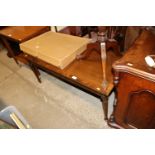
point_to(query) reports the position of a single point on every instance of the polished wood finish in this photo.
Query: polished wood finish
(134, 106)
(118, 33)
(13, 35)
(1, 27)
(91, 47)
(87, 71)
(22, 33)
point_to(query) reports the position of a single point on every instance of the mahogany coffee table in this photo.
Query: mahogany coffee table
(85, 74)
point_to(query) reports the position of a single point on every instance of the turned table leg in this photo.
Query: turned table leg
(111, 120)
(104, 100)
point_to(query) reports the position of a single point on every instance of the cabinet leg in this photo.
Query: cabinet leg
(104, 100)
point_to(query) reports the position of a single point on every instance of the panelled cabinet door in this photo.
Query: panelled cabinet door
(140, 112)
(135, 106)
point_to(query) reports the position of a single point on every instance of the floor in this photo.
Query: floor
(51, 104)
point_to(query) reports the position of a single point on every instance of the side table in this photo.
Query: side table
(12, 36)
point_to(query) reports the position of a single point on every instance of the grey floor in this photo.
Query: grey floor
(51, 104)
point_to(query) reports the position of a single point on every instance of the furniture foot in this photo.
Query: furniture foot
(35, 71)
(97, 47)
(110, 44)
(113, 124)
(111, 120)
(90, 47)
(104, 100)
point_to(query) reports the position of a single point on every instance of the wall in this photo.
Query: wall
(58, 28)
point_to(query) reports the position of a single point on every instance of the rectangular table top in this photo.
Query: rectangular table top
(22, 33)
(86, 73)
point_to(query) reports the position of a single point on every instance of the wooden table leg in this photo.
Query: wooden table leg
(10, 51)
(35, 71)
(1, 48)
(104, 100)
(111, 120)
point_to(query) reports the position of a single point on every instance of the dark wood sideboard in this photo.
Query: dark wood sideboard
(134, 106)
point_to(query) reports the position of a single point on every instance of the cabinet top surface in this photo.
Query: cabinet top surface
(20, 33)
(134, 59)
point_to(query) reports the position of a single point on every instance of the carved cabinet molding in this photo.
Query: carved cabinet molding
(134, 81)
